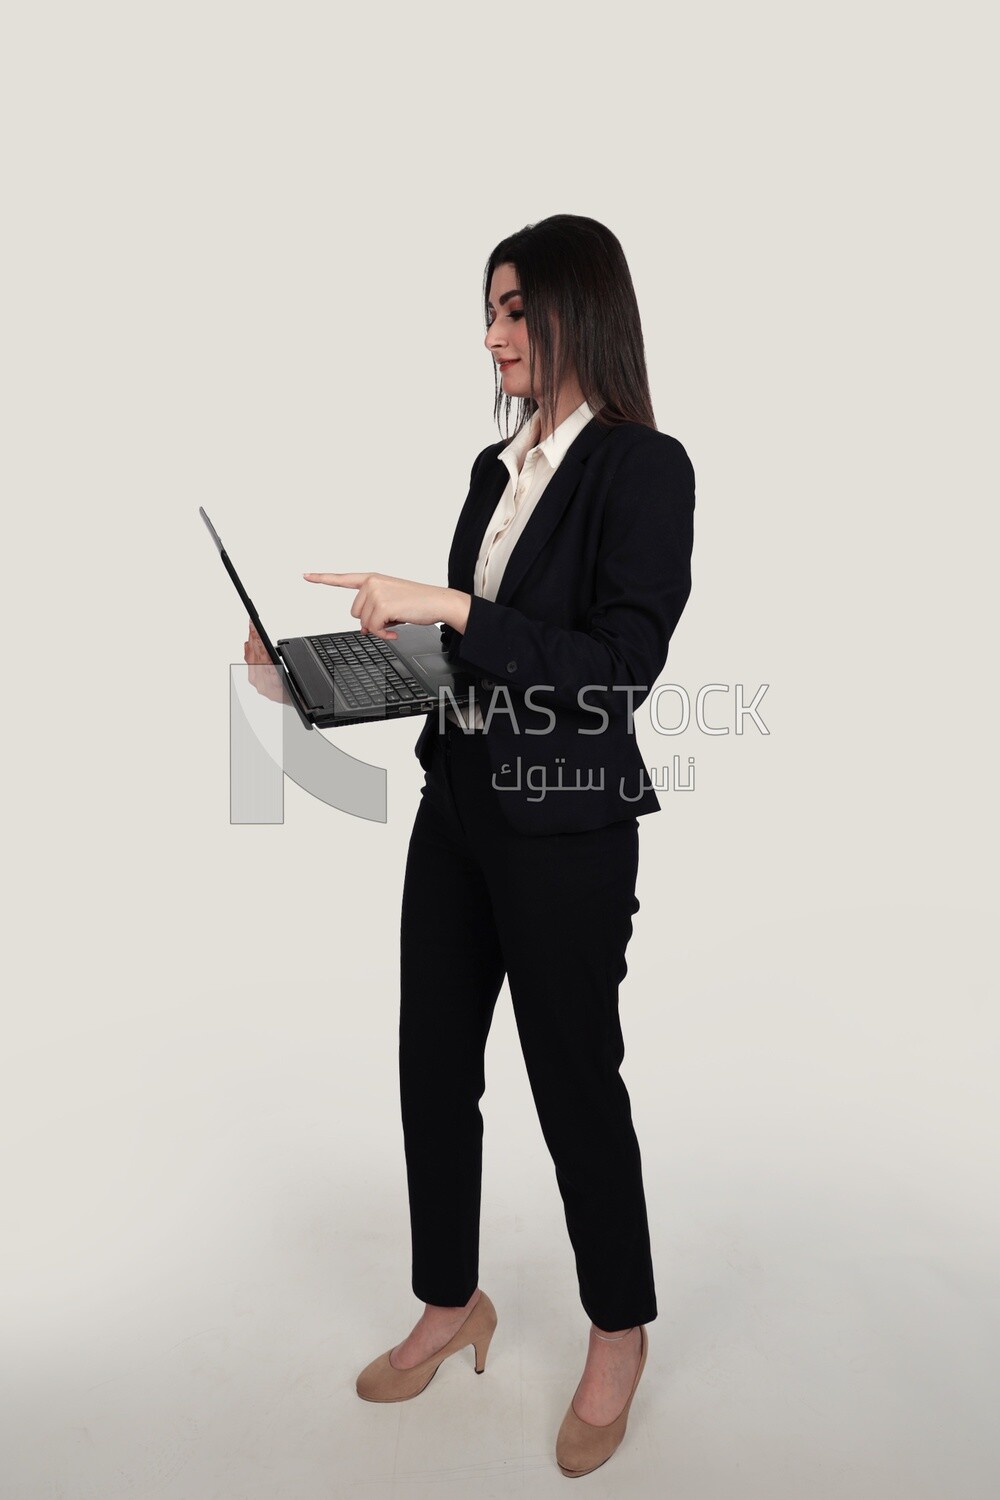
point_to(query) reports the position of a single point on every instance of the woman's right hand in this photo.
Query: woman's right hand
(264, 675)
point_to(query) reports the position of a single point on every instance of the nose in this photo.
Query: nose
(494, 338)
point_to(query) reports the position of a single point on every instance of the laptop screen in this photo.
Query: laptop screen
(248, 602)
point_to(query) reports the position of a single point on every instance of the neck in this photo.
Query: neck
(569, 398)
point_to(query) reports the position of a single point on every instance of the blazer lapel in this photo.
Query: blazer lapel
(472, 523)
(539, 525)
(547, 513)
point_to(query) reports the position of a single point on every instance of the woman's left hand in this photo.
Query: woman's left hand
(383, 601)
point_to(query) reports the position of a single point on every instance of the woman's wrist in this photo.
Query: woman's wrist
(455, 610)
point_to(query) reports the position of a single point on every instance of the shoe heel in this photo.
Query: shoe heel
(481, 1346)
(484, 1334)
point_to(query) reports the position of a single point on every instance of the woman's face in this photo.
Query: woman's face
(507, 334)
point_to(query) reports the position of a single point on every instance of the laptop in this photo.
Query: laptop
(351, 678)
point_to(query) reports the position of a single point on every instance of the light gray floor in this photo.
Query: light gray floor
(215, 1275)
(847, 1375)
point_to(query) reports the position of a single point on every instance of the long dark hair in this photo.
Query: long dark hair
(574, 269)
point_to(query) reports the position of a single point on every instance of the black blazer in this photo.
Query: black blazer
(591, 593)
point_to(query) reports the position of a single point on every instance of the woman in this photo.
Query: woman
(568, 572)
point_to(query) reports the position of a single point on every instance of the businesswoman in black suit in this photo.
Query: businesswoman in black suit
(568, 572)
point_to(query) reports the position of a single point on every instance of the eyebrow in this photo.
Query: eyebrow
(506, 296)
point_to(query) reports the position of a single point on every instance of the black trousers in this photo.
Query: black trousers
(553, 913)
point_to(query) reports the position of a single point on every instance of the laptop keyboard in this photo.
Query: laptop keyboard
(368, 673)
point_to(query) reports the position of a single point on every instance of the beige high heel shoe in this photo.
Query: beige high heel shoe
(381, 1381)
(583, 1446)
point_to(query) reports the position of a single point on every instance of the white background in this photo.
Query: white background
(243, 256)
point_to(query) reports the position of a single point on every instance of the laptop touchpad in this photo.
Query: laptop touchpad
(434, 665)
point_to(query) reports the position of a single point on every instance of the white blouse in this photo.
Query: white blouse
(531, 465)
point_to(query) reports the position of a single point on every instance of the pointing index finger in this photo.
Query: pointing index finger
(339, 580)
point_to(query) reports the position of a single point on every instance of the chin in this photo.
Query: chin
(516, 389)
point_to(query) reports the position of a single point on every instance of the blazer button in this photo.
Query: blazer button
(487, 682)
(512, 666)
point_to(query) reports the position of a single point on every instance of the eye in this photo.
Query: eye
(515, 312)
